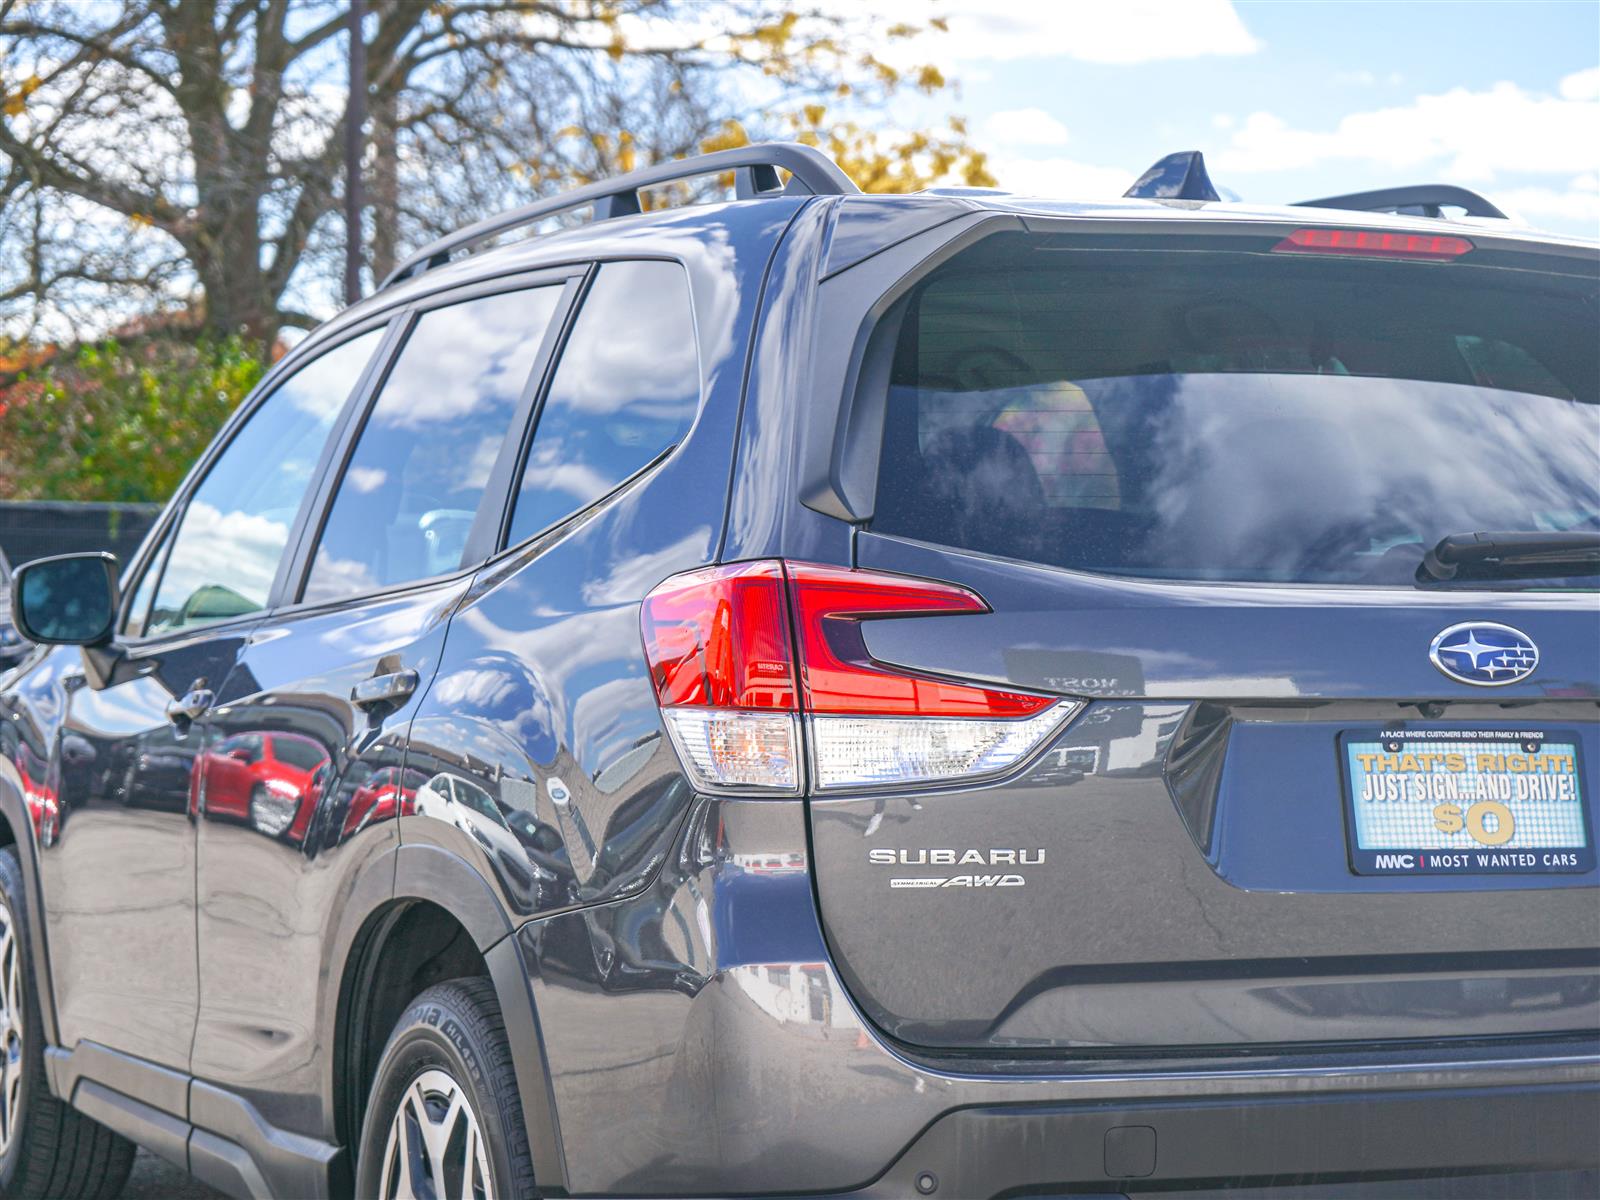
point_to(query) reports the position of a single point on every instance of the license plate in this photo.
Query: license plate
(1465, 802)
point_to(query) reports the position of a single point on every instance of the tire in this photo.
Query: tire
(451, 1043)
(48, 1150)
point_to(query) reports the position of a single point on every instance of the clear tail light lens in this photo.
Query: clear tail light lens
(738, 654)
(731, 749)
(856, 752)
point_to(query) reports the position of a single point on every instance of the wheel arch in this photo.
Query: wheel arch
(434, 917)
(17, 830)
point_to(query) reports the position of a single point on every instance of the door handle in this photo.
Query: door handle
(189, 707)
(386, 689)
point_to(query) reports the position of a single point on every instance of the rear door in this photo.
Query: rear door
(1317, 793)
(327, 685)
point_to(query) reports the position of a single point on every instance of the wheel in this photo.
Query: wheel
(444, 1121)
(270, 814)
(47, 1148)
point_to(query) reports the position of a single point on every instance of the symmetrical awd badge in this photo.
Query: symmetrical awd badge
(1484, 654)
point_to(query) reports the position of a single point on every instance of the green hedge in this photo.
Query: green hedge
(119, 422)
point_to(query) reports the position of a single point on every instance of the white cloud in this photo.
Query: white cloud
(1122, 32)
(1579, 203)
(1468, 136)
(1366, 78)
(1582, 85)
(1025, 127)
(1061, 177)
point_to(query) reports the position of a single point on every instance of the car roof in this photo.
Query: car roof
(657, 232)
(1201, 211)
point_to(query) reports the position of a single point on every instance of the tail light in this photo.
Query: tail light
(739, 655)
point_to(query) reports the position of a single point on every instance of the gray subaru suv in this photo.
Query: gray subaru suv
(949, 695)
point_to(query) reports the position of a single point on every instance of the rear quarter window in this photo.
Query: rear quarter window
(626, 390)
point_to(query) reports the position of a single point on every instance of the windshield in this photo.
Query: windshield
(1239, 417)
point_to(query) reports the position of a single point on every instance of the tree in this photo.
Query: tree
(189, 152)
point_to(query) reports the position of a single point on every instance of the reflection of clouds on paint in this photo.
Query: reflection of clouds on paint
(607, 717)
(632, 575)
(475, 688)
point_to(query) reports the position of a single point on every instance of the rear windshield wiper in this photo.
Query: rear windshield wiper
(1530, 554)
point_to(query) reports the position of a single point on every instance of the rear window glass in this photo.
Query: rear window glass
(1226, 416)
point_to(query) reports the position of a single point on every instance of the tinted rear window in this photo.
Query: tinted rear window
(1225, 416)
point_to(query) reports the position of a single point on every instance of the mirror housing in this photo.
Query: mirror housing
(66, 600)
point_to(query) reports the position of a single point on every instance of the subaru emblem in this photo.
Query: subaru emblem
(1484, 654)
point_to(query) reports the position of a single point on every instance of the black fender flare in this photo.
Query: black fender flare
(416, 871)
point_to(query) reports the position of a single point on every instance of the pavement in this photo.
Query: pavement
(155, 1178)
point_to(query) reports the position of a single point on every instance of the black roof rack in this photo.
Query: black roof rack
(755, 168)
(1429, 197)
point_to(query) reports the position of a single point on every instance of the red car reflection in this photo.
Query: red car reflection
(263, 779)
(43, 810)
(389, 793)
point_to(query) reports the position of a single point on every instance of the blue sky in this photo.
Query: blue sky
(1287, 100)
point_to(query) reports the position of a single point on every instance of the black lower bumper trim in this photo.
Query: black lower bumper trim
(1353, 1138)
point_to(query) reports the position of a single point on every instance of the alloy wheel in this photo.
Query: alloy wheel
(11, 1065)
(435, 1148)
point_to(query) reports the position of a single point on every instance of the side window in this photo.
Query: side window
(627, 388)
(409, 494)
(133, 625)
(245, 747)
(237, 522)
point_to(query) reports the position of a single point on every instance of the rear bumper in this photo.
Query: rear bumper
(697, 1041)
(1539, 1141)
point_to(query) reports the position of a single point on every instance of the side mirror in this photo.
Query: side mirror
(68, 600)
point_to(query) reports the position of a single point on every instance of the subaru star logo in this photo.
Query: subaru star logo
(1485, 654)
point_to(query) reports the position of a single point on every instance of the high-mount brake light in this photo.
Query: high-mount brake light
(1370, 243)
(738, 654)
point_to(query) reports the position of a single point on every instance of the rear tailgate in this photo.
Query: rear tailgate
(1315, 796)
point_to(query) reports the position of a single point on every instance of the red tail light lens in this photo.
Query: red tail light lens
(721, 645)
(838, 674)
(719, 638)
(1373, 244)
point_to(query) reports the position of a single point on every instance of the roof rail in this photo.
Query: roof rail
(755, 168)
(1429, 197)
